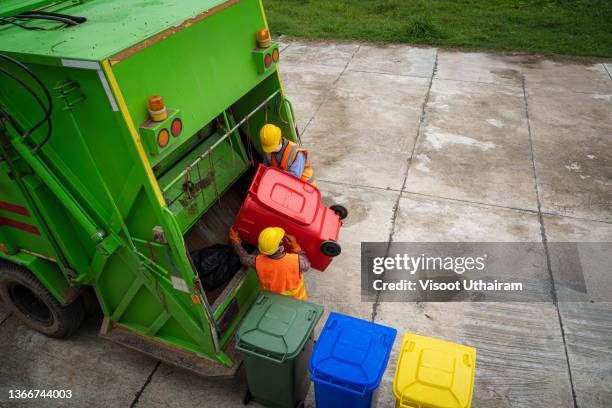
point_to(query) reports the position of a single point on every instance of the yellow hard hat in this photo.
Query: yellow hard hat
(269, 240)
(270, 137)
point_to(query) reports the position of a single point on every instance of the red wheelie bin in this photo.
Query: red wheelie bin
(277, 199)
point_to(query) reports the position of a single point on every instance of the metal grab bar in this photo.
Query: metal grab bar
(218, 142)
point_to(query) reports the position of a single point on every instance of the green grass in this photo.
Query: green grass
(570, 27)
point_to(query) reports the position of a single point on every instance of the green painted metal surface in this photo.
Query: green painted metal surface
(276, 339)
(14, 208)
(12, 7)
(203, 185)
(103, 200)
(47, 272)
(197, 70)
(112, 27)
(277, 327)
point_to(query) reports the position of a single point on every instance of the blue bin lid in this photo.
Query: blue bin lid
(352, 353)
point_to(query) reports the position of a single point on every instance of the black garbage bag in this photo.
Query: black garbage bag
(216, 265)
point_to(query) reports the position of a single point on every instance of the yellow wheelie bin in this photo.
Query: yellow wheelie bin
(433, 373)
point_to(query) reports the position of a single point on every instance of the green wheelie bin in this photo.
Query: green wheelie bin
(276, 340)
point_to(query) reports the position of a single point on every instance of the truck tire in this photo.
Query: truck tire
(35, 306)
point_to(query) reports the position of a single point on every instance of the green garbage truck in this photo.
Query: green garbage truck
(125, 145)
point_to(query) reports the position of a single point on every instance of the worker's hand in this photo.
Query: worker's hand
(292, 244)
(233, 236)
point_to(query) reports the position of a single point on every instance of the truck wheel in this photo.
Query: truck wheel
(340, 210)
(330, 248)
(35, 306)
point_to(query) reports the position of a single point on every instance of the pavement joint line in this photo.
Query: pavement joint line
(444, 198)
(284, 48)
(433, 196)
(343, 183)
(467, 81)
(557, 89)
(388, 73)
(546, 248)
(146, 383)
(406, 172)
(573, 217)
(538, 85)
(607, 70)
(463, 201)
(475, 203)
(472, 81)
(333, 84)
(318, 64)
(421, 122)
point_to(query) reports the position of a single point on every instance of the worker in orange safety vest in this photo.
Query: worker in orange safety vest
(278, 271)
(285, 154)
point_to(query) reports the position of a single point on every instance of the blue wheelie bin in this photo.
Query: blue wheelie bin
(348, 362)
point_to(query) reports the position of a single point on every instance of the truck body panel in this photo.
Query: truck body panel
(111, 205)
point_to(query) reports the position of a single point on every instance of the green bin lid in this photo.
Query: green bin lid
(277, 327)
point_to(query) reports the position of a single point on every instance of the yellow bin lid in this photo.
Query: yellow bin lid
(433, 373)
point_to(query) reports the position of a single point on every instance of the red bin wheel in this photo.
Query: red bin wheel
(330, 248)
(340, 210)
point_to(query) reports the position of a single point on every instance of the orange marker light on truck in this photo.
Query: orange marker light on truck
(263, 38)
(157, 108)
(163, 137)
(275, 55)
(177, 127)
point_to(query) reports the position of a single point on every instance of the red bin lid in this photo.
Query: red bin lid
(288, 195)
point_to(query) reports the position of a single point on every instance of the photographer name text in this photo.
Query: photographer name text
(457, 285)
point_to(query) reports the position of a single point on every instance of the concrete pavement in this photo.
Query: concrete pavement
(421, 145)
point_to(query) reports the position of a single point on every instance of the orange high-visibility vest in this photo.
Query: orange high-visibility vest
(290, 152)
(281, 275)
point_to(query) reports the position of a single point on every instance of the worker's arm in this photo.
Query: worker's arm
(304, 262)
(292, 245)
(267, 160)
(245, 258)
(298, 165)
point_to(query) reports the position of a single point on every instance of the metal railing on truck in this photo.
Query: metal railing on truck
(209, 150)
